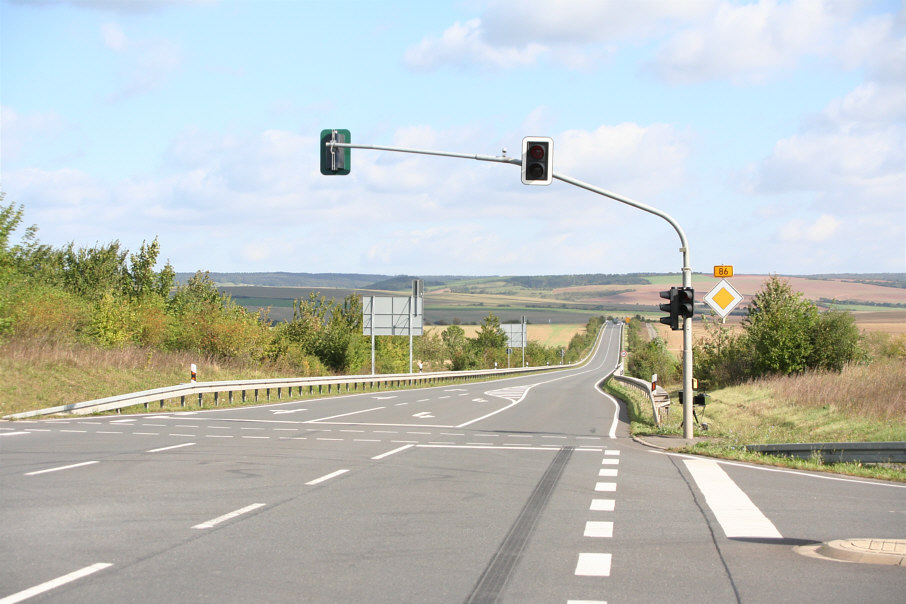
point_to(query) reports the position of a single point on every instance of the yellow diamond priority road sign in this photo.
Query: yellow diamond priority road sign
(723, 298)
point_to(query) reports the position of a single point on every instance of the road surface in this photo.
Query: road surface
(518, 490)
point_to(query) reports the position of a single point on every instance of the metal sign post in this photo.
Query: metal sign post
(394, 316)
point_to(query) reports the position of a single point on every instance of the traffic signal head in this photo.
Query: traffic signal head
(335, 160)
(537, 164)
(671, 307)
(686, 302)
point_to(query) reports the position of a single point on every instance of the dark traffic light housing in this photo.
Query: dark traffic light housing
(537, 167)
(335, 160)
(686, 302)
(671, 307)
(681, 306)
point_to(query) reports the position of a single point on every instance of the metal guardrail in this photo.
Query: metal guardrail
(863, 452)
(323, 385)
(659, 399)
(278, 387)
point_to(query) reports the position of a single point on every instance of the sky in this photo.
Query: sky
(773, 132)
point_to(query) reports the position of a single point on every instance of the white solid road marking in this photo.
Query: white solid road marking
(735, 512)
(54, 583)
(170, 447)
(225, 517)
(57, 469)
(325, 477)
(389, 453)
(593, 565)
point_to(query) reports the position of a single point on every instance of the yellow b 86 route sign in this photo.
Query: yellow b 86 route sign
(722, 272)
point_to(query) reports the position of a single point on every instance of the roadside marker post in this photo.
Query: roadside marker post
(333, 144)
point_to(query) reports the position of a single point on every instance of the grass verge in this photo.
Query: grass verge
(757, 414)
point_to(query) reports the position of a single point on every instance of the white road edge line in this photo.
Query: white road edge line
(324, 478)
(225, 517)
(389, 453)
(169, 448)
(753, 466)
(735, 512)
(57, 469)
(54, 583)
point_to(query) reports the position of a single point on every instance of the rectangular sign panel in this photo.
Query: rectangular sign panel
(391, 315)
(723, 272)
(514, 335)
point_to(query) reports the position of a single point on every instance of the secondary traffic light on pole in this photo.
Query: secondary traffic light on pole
(686, 302)
(672, 307)
(335, 160)
(537, 164)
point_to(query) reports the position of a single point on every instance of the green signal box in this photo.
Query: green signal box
(335, 160)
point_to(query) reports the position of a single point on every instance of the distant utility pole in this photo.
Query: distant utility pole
(536, 162)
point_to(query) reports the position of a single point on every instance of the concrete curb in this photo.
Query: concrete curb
(890, 552)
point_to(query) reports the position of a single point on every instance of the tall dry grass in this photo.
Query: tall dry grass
(876, 391)
(43, 372)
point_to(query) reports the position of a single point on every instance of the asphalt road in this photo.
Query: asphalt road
(519, 490)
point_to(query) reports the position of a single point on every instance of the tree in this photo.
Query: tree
(720, 358)
(653, 357)
(490, 335)
(779, 328)
(835, 341)
(490, 341)
(458, 348)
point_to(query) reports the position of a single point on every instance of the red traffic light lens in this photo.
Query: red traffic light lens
(536, 152)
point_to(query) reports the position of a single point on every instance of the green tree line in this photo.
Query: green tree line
(783, 333)
(106, 296)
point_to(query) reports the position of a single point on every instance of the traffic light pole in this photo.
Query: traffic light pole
(687, 282)
(684, 248)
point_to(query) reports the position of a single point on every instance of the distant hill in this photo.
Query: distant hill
(338, 280)
(882, 279)
(560, 281)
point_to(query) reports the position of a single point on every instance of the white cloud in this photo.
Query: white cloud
(21, 131)
(799, 231)
(852, 155)
(113, 37)
(584, 22)
(577, 34)
(126, 7)
(747, 43)
(464, 43)
(642, 161)
(145, 65)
